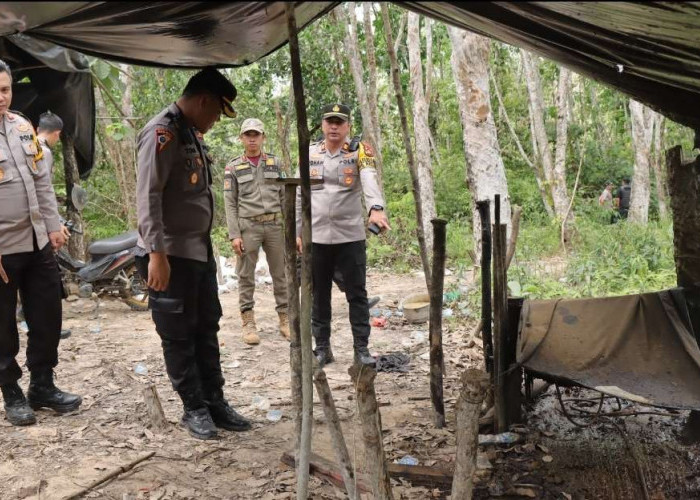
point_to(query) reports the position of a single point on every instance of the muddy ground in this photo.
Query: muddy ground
(61, 455)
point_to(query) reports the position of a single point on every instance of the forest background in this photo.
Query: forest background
(483, 118)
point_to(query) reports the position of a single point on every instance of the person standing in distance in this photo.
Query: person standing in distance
(338, 229)
(253, 201)
(30, 232)
(175, 206)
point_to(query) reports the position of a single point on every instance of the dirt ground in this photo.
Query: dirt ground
(60, 455)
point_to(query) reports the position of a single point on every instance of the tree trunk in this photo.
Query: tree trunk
(372, 66)
(658, 164)
(420, 128)
(641, 142)
(369, 132)
(76, 243)
(283, 132)
(559, 194)
(485, 170)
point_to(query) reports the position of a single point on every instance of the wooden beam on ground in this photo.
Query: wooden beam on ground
(475, 385)
(305, 313)
(437, 364)
(371, 421)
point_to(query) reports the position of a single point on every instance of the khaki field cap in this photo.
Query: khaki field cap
(252, 124)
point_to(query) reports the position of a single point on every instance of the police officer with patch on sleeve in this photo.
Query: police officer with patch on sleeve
(338, 228)
(29, 233)
(175, 207)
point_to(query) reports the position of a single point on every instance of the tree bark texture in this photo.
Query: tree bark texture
(657, 163)
(417, 198)
(372, 67)
(486, 173)
(475, 385)
(370, 133)
(420, 128)
(336, 432)
(642, 134)
(371, 421)
(437, 361)
(283, 120)
(76, 243)
(559, 192)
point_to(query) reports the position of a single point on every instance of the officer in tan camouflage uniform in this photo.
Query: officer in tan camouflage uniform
(338, 228)
(253, 203)
(29, 232)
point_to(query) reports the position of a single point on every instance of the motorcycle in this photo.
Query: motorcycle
(111, 270)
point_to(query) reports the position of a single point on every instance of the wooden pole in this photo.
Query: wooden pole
(76, 243)
(485, 216)
(513, 378)
(437, 364)
(290, 237)
(371, 421)
(475, 385)
(111, 474)
(305, 313)
(683, 188)
(499, 314)
(336, 432)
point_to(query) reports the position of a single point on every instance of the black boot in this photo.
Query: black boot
(224, 415)
(43, 393)
(17, 410)
(324, 355)
(363, 357)
(199, 423)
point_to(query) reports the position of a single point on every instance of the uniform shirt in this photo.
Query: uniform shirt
(337, 215)
(251, 190)
(27, 200)
(48, 155)
(175, 204)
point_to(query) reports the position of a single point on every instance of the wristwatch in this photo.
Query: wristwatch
(376, 207)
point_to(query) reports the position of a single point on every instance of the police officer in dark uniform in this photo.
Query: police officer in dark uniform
(175, 213)
(29, 232)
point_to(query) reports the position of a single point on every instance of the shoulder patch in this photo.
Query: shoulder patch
(365, 157)
(163, 138)
(367, 149)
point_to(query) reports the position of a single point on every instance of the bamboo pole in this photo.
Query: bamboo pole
(290, 237)
(371, 421)
(475, 384)
(336, 432)
(437, 365)
(305, 313)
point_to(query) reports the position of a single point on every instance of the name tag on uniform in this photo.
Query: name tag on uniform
(269, 161)
(242, 166)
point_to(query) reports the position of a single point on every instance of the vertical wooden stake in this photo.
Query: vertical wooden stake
(485, 216)
(336, 432)
(305, 314)
(475, 385)
(154, 408)
(290, 237)
(499, 317)
(363, 380)
(437, 364)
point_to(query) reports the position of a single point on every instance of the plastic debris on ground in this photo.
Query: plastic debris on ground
(274, 415)
(447, 313)
(375, 313)
(261, 403)
(378, 322)
(503, 438)
(408, 460)
(23, 327)
(393, 362)
(140, 369)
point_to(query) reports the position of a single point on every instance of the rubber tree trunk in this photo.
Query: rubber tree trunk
(437, 362)
(76, 243)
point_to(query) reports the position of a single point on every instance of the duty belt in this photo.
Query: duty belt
(266, 217)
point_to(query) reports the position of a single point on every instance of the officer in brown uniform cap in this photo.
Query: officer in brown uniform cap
(29, 232)
(175, 213)
(338, 228)
(253, 203)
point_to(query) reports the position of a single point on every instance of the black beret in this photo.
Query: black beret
(212, 81)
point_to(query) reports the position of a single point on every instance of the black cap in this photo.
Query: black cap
(338, 110)
(210, 80)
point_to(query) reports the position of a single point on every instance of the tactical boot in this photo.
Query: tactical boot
(363, 357)
(250, 334)
(284, 325)
(225, 417)
(17, 410)
(324, 355)
(43, 393)
(199, 423)
(373, 301)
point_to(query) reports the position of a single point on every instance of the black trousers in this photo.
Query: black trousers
(187, 316)
(351, 261)
(36, 276)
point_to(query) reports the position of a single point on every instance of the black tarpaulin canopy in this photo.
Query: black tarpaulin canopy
(649, 50)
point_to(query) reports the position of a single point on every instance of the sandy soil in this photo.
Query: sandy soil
(61, 454)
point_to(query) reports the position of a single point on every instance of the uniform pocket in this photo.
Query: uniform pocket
(347, 177)
(166, 304)
(5, 177)
(316, 172)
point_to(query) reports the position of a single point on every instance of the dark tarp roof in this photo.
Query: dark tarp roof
(650, 50)
(59, 81)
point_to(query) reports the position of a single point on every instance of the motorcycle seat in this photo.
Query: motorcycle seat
(114, 244)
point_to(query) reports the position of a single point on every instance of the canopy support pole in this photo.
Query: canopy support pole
(305, 313)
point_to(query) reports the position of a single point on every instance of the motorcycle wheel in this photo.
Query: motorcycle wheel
(137, 297)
